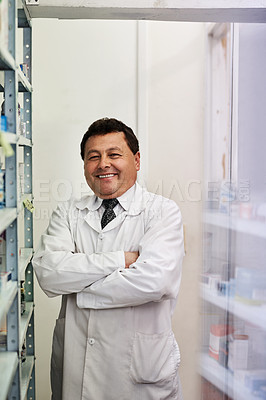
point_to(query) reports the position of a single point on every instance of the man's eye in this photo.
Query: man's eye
(92, 158)
(115, 155)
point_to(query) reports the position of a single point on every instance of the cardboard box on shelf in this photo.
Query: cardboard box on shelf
(218, 334)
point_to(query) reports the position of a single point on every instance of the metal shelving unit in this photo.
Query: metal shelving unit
(17, 369)
(8, 368)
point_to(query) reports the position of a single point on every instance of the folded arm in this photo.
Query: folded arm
(154, 276)
(60, 270)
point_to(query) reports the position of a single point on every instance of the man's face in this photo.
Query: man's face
(110, 167)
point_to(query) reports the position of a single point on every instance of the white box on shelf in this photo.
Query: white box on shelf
(238, 352)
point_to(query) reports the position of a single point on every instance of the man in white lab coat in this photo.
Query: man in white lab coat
(118, 271)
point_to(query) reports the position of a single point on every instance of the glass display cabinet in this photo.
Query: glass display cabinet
(233, 279)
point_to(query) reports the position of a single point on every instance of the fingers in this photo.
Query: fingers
(130, 257)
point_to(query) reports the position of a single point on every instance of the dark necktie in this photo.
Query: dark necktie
(109, 213)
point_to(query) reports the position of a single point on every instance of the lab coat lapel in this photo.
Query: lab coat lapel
(93, 220)
(91, 205)
(115, 222)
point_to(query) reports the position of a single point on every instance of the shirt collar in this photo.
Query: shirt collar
(132, 201)
(126, 199)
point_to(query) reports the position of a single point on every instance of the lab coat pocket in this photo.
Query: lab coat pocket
(155, 358)
(57, 359)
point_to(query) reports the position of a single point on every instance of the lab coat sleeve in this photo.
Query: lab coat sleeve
(156, 274)
(60, 269)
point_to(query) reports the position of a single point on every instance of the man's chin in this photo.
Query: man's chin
(107, 193)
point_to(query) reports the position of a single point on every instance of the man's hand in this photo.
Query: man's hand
(130, 257)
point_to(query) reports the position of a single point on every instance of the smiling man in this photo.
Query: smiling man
(110, 165)
(116, 259)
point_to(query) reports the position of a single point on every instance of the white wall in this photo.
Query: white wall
(84, 70)
(176, 110)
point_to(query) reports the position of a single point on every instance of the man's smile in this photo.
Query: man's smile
(102, 176)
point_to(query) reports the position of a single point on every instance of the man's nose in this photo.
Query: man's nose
(104, 162)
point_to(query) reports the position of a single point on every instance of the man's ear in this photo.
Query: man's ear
(137, 160)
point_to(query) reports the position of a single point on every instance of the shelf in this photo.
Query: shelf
(7, 62)
(8, 366)
(248, 226)
(190, 10)
(23, 141)
(256, 315)
(12, 138)
(23, 83)
(213, 298)
(223, 379)
(23, 15)
(15, 375)
(7, 297)
(26, 371)
(24, 322)
(24, 259)
(7, 216)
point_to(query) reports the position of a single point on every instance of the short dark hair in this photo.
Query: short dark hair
(107, 125)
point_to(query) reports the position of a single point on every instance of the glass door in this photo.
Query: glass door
(233, 280)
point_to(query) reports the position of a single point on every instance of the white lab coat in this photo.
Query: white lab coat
(113, 338)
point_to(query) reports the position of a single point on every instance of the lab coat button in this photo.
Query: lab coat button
(91, 341)
(101, 236)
